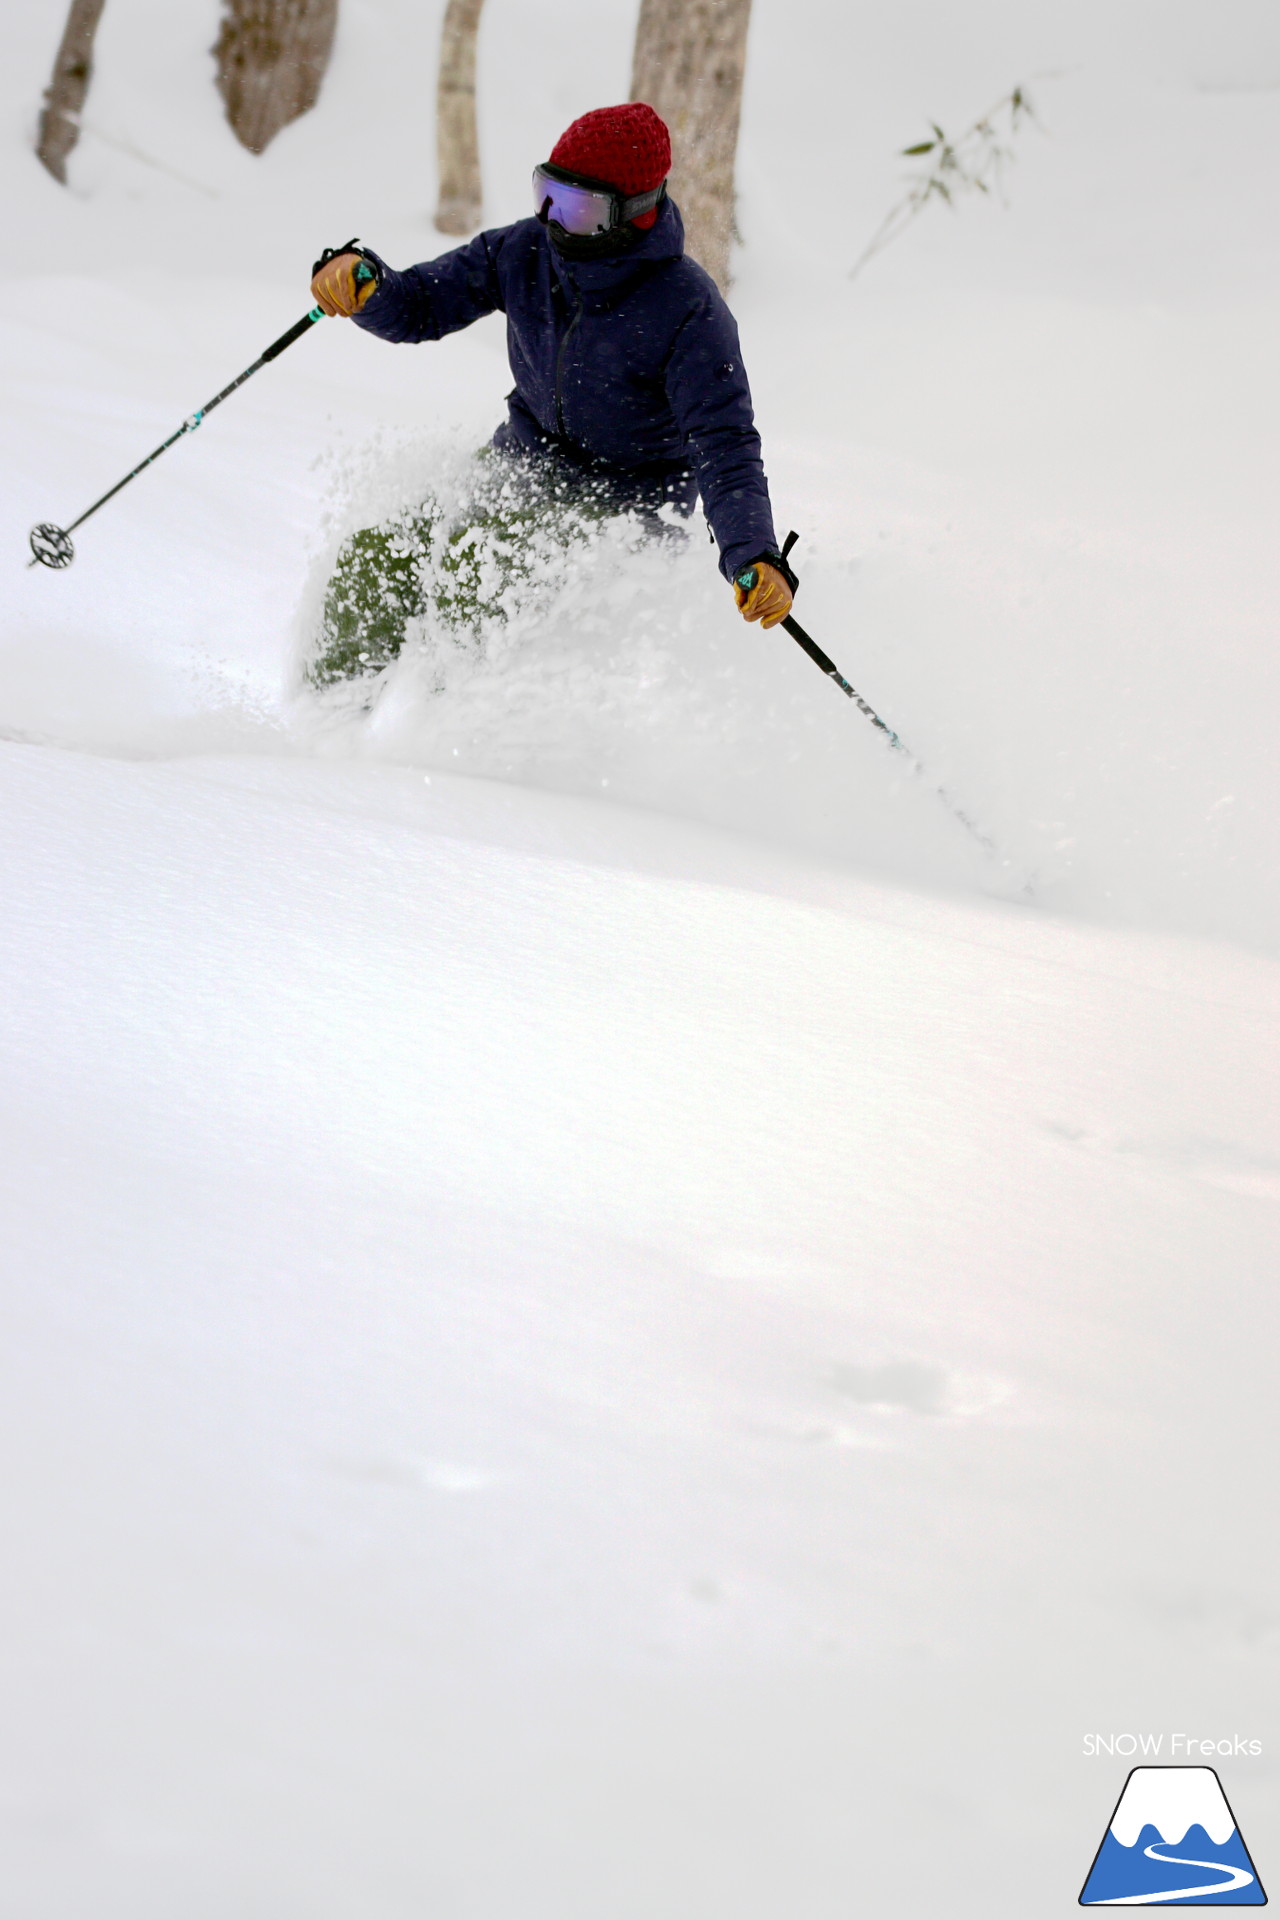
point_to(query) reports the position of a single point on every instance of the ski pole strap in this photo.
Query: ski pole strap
(784, 567)
(747, 576)
(368, 261)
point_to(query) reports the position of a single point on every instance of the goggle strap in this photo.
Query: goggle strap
(642, 202)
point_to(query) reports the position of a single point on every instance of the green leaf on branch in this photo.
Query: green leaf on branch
(974, 159)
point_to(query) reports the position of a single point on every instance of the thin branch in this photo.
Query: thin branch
(975, 161)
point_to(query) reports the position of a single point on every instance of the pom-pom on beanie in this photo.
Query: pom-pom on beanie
(625, 147)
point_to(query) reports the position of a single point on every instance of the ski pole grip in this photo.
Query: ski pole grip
(747, 579)
(295, 332)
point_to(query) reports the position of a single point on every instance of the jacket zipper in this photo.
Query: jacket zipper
(564, 341)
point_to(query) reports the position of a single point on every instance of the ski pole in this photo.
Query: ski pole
(51, 546)
(747, 580)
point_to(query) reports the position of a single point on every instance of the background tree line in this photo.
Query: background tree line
(688, 63)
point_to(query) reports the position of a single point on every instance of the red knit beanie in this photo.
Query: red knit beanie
(624, 147)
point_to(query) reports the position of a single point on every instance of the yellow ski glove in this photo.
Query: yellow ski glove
(768, 597)
(342, 283)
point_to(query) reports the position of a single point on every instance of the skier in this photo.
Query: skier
(629, 376)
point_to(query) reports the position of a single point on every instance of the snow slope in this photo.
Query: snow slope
(593, 1327)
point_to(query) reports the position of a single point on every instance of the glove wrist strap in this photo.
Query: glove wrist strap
(778, 561)
(352, 246)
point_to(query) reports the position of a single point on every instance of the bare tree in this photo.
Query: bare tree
(690, 56)
(272, 56)
(457, 144)
(65, 94)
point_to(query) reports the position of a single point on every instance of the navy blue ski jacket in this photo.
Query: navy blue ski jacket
(629, 365)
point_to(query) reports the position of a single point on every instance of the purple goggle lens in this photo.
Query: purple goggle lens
(586, 210)
(576, 209)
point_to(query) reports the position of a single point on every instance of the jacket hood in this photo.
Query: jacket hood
(663, 241)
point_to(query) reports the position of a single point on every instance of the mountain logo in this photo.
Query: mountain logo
(1172, 1842)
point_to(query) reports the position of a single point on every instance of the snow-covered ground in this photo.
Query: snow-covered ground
(601, 1319)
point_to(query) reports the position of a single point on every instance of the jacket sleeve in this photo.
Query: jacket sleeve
(707, 387)
(439, 296)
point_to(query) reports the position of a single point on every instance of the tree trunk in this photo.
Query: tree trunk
(457, 144)
(690, 56)
(65, 94)
(272, 56)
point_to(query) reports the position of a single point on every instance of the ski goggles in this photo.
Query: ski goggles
(562, 198)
